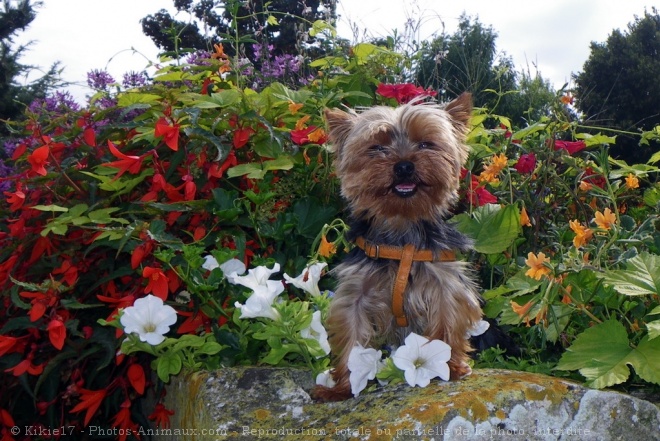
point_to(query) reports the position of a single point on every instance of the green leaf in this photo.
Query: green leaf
(311, 215)
(255, 170)
(641, 276)
(492, 227)
(54, 208)
(166, 365)
(653, 328)
(603, 355)
(132, 98)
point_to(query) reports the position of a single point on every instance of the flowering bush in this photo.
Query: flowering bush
(129, 225)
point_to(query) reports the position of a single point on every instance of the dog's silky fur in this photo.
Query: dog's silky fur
(399, 170)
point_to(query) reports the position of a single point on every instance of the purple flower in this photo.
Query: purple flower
(134, 79)
(58, 102)
(199, 58)
(99, 79)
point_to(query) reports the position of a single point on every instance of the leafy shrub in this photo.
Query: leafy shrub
(133, 196)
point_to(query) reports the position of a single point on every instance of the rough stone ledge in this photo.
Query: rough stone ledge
(273, 403)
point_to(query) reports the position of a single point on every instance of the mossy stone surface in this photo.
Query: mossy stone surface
(273, 403)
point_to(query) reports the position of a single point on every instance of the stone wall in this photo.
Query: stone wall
(274, 403)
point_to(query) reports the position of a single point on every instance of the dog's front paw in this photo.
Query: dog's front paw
(459, 370)
(327, 394)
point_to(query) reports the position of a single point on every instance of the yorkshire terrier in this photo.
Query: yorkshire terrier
(399, 170)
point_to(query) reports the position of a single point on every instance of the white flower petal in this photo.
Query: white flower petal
(364, 364)
(233, 266)
(210, 263)
(479, 328)
(150, 318)
(422, 359)
(325, 379)
(317, 332)
(255, 277)
(308, 280)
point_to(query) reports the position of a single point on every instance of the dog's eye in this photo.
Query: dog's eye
(425, 145)
(376, 149)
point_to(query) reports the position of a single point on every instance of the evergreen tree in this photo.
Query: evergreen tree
(618, 86)
(466, 61)
(16, 16)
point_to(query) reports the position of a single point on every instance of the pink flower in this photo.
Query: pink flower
(572, 147)
(403, 93)
(526, 163)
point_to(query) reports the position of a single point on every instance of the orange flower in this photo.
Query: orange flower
(524, 218)
(536, 264)
(582, 233)
(632, 181)
(522, 310)
(326, 249)
(497, 164)
(295, 107)
(318, 136)
(585, 186)
(605, 220)
(567, 99)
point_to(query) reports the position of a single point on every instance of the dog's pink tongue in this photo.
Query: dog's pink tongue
(405, 187)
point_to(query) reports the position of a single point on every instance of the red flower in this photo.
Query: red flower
(123, 422)
(217, 170)
(90, 401)
(403, 93)
(89, 135)
(241, 137)
(593, 178)
(17, 198)
(526, 163)
(38, 159)
(132, 164)
(170, 133)
(6, 344)
(307, 135)
(40, 302)
(158, 283)
(137, 378)
(572, 147)
(161, 416)
(26, 366)
(477, 195)
(56, 333)
(69, 272)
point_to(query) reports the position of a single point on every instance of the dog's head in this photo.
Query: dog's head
(401, 164)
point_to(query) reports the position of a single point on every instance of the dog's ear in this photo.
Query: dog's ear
(460, 111)
(340, 124)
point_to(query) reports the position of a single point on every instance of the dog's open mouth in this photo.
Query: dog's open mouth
(405, 189)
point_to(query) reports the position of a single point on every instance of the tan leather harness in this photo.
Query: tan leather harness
(406, 255)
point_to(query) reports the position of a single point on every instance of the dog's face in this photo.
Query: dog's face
(400, 164)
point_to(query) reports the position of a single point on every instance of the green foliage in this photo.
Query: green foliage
(16, 17)
(135, 194)
(616, 87)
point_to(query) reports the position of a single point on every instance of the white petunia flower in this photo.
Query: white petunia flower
(422, 359)
(260, 303)
(149, 318)
(233, 267)
(317, 332)
(308, 280)
(325, 379)
(479, 328)
(210, 263)
(257, 277)
(364, 364)
(228, 268)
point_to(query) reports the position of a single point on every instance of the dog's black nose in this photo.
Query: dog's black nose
(404, 169)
